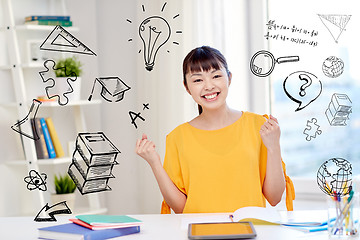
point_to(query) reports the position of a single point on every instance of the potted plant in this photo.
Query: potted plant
(68, 68)
(64, 190)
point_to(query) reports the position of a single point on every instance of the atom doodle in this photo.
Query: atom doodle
(36, 181)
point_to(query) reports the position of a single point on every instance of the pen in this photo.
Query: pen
(343, 213)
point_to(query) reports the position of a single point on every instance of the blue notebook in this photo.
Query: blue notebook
(48, 141)
(74, 231)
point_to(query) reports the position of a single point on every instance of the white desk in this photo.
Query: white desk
(156, 226)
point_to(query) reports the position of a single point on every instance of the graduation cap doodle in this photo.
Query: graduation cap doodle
(113, 88)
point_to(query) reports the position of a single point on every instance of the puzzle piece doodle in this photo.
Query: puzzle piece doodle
(48, 76)
(312, 129)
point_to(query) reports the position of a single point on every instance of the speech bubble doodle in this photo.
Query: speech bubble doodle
(303, 88)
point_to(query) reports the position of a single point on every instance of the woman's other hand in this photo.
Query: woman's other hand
(270, 134)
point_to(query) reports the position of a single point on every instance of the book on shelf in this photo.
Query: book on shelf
(40, 145)
(75, 231)
(100, 222)
(50, 23)
(54, 137)
(47, 17)
(48, 141)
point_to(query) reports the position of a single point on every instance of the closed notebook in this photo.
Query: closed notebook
(72, 231)
(98, 220)
(104, 226)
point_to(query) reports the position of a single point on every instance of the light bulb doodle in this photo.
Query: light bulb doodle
(154, 32)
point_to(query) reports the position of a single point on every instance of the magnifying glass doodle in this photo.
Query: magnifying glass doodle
(263, 62)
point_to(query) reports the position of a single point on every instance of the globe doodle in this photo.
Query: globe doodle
(334, 177)
(333, 67)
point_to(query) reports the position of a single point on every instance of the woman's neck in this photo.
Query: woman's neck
(216, 119)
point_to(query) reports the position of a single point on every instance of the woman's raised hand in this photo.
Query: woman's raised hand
(146, 149)
(270, 133)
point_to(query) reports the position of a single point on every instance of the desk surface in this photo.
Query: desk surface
(156, 226)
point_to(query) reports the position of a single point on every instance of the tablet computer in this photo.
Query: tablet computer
(225, 230)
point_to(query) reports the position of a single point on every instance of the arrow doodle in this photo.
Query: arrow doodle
(47, 213)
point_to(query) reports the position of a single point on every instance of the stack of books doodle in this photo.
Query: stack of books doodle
(339, 109)
(92, 162)
(48, 20)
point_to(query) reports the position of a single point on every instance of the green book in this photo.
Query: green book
(95, 220)
(50, 22)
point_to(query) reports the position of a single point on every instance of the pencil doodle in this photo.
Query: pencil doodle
(47, 213)
(154, 32)
(334, 177)
(92, 162)
(335, 24)
(303, 88)
(263, 62)
(34, 135)
(333, 67)
(339, 109)
(36, 181)
(62, 41)
(48, 76)
(312, 129)
(134, 116)
(112, 88)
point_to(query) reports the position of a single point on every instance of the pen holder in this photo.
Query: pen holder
(343, 217)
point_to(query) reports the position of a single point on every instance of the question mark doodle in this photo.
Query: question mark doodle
(304, 77)
(294, 87)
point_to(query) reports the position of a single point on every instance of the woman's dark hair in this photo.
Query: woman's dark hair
(203, 58)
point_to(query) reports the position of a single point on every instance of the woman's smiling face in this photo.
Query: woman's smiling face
(209, 89)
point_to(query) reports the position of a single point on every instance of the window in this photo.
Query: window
(328, 122)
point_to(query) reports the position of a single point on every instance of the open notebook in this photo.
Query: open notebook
(259, 215)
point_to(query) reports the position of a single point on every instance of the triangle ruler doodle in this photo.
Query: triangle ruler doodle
(62, 41)
(335, 23)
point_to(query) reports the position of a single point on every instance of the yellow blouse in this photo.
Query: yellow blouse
(219, 170)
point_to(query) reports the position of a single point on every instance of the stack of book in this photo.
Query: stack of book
(339, 109)
(92, 162)
(48, 20)
(47, 144)
(93, 227)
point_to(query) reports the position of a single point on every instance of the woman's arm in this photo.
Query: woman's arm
(274, 183)
(172, 195)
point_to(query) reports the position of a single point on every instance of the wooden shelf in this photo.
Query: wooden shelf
(44, 162)
(5, 67)
(71, 103)
(55, 103)
(42, 28)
